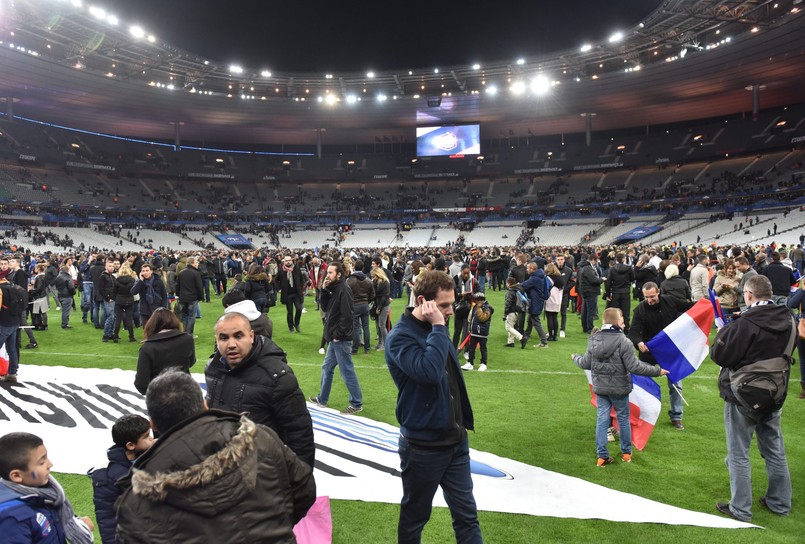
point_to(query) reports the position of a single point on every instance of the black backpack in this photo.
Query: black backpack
(15, 299)
(762, 386)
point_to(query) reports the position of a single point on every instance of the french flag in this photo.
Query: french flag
(3, 360)
(644, 407)
(682, 346)
(717, 311)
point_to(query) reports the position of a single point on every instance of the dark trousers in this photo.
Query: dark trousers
(476, 342)
(423, 471)
(360, 327)
(293, 308)
(589, 310)
(563, 310)
(205, 286)
(459, 328)
(552, 322)
(623, 302)
(220, 283)
(124, 316)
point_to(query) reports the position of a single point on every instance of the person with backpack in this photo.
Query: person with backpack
(480, 317)
(132, 437)
(515, 307)
(538, 288)
(13, 305)
(765, 331)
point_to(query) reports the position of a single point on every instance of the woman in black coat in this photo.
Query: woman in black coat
(164, 345)
(124, 302)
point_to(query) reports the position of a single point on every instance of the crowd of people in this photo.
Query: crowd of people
(644, 289)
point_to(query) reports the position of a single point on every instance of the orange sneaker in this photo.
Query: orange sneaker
(626, 457)
(603, 462)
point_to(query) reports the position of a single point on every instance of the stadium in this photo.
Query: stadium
(683, 129)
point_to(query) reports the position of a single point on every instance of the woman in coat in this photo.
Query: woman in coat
(124, 302)
(381, 305)
(164, 345)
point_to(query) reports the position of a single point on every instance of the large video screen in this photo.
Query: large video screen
(446, 140)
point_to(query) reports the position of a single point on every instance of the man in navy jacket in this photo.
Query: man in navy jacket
(434, 413)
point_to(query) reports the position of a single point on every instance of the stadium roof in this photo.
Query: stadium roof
(686, 60)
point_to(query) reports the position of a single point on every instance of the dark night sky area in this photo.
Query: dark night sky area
(357, 35)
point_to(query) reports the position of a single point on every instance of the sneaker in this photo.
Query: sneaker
(352, 410)
(9, 378)
(315, 400)
(611, 434)
(380, 348)
(466, 366)
(321, 351)
(66, 327)
(678, 425)
(304, 310)
(32, 345)
(604, 462)
(561, 334)
(482, 368)
(508, 345)
(195, 336)
(105, 339)
(542, 345)
(523, 342)
(132, 339)
(466, 356)
(626, 457)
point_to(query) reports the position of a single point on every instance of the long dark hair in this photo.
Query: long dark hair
(161, 319)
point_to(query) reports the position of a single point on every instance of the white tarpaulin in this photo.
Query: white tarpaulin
(356, 458)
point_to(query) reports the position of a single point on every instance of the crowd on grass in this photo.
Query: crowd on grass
(154, 297)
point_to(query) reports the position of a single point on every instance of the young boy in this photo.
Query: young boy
(33, 507)
(611, 357)
(132, 436)
(480, 316)
(513, 315)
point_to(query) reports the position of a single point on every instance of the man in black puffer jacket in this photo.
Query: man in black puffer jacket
(249, 373)
(619, 288)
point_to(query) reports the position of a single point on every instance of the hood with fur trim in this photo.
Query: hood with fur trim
(187, 476)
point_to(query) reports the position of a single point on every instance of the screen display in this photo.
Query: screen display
(446, 140)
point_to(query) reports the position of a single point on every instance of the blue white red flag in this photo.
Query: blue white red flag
(719, 313)
(644, 407)
(682, 346)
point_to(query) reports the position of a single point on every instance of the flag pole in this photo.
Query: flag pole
(680, 394)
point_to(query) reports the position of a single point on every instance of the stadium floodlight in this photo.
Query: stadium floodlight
(265, 73)
(540, 85)
(520, 62)
(112, 20)
(493, 90)
(351, 99)
(77, 3)
(616, 37)
(97, 12)
(518, 87)
(435, 70)
(382, 98)
(331, 99)
(476, 66)
(137, 31)
(370, 74)
(586, 47)
(151, 38)
(235, 69)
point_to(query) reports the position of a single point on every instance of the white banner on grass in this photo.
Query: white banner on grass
(73, 410)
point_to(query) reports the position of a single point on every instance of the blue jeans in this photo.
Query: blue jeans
(8, 336)
(205, 286)
(740, 426)
(382, 332)
(86, 300)
(675, 396)
(589, 311)
(66, 306)
(605, 405)
(360, 323)
(339, 354)
(189, 310)
(482, 282)
(108, 319)
(425, 469)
